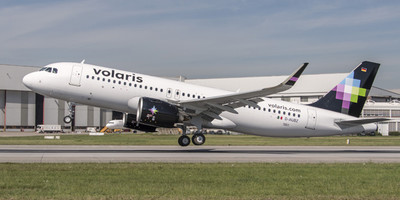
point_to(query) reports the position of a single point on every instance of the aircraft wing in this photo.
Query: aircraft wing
(213, 106)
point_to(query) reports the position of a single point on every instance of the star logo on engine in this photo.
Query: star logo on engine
(153, 110)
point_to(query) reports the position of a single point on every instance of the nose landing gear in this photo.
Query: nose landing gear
(70, 118)
(67, 119)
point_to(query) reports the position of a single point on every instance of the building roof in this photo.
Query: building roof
(307, 85)
(312, 84)
(380, 92)
(11, 76)
(396, 91)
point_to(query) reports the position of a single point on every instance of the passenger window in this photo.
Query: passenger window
(55, 70)
(161, 90)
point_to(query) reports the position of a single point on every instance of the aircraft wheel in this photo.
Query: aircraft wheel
(184, 140)
(198, 139)
(67, 119)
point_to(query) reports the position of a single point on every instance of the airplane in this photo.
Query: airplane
(150, 102)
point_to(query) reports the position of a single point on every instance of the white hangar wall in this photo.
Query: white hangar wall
(17, 109)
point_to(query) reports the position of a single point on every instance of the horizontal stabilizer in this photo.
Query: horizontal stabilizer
(357, 122)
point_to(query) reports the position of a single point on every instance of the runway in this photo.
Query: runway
(195, 154)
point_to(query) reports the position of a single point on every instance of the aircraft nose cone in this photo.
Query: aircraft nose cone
(28, 80)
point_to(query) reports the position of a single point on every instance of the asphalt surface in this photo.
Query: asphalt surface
(206, 154)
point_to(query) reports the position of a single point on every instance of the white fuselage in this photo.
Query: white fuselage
(111, 88)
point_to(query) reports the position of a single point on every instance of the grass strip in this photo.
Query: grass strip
(200, 181)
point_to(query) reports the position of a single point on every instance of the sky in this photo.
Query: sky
(205, 39)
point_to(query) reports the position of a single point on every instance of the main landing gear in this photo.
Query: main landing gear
(197, 139)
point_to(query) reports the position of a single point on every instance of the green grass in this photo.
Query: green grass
(234, 140)
(200, 181)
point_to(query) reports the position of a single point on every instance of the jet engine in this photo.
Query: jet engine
(129, 121)
(151, 112)
(154, 112)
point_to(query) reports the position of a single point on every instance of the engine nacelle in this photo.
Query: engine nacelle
(157, 113)
(129, 121)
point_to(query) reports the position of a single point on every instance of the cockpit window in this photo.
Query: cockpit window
(50, 70)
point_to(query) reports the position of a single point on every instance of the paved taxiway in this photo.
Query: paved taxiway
(105, 154)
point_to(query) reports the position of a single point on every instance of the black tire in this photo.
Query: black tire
(184, 140)
(67, 119)
(198, 139)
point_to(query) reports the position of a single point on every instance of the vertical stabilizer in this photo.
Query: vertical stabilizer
(349, 96)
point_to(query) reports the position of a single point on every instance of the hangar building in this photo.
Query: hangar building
(22, 109)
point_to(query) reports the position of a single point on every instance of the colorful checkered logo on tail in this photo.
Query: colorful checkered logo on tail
(348, 92)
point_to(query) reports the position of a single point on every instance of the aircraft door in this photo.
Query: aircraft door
(311, 119)
(76, 75)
